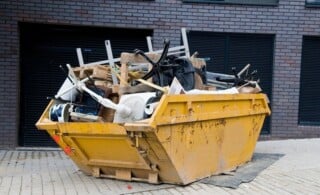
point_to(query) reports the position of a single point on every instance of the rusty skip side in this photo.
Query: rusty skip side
(187, 138)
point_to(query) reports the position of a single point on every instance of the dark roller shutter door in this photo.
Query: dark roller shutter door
(256, 50)
(44, 48)
(309, 107)
(227, 50)
(212, 49)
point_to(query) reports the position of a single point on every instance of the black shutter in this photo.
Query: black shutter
(227, 50)
(309, 107)
(212, 49)
(256, 50)
(44, 48)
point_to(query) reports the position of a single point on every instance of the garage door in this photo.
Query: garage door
(44, 48)
(226, 50)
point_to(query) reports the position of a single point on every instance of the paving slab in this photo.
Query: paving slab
(50, 171)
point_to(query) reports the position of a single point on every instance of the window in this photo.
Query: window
(309, 107)
(312, 3)
(244, 2)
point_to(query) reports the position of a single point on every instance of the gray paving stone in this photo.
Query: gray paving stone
(52, 172)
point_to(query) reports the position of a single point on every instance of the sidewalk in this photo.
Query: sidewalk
(51, 172)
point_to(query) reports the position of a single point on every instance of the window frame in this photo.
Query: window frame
(234, 2)
(312, 4)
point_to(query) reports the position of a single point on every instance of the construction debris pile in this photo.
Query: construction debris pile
(130, 91)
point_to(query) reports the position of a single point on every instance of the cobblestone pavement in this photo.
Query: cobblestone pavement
(32, 171)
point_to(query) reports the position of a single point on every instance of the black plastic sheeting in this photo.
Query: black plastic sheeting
(245, 173)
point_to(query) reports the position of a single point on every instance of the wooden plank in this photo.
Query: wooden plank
(127, 58)
(95, 171)
(198, 62)
(123, 174)
(153, 178)
(163, 89)
(124, 74)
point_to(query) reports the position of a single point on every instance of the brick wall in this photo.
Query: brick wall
(288, 21)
